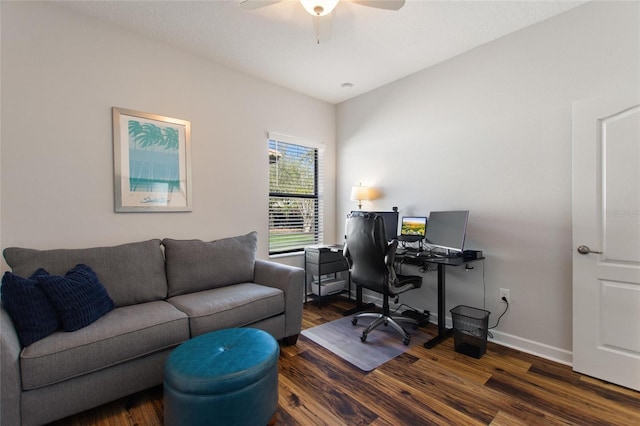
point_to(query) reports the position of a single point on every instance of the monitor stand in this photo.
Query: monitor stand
(404, 239)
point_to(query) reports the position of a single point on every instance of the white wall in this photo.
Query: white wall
(490, 131)
(62, 73)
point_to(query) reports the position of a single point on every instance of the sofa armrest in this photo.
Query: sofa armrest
(289, 279)
(10, 384)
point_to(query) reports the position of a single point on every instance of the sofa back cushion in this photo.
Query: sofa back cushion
(195, 265)
(131, 273)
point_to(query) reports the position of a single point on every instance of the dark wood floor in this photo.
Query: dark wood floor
(420, 387)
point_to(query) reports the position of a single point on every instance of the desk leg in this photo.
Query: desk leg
(443, 332)
(359, 305)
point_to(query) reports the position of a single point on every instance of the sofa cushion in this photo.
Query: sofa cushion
(122, 335)
(195, 265)
(232, 306)
(78, 296)
(33, 314)
(121, 269)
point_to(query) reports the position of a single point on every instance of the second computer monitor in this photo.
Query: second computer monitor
(413, 226)
(390, 220)
(412, 229)
(447, 230)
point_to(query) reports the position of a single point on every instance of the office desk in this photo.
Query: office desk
(443, 332)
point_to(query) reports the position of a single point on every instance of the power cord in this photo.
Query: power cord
(504, 299)
(484, 288)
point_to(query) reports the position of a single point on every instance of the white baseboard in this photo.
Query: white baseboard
(542, 350)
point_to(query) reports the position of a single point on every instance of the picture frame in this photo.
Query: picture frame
(152, 162)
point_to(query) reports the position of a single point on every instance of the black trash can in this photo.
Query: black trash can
(470, 328)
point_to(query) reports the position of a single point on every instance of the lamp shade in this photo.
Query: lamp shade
(319, 7)
(360, 193)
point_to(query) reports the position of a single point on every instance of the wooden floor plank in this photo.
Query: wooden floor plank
(465, 371)
(467, 395)
(560, 398)
(299, 410)
(314, 381)
(422, 386)
(433, 409)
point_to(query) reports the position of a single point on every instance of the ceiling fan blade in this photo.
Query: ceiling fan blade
(322, 26)
(255, 4)
(381, 4)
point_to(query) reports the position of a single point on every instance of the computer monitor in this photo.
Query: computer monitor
(447, 229)
(390, 220)
(413, 226)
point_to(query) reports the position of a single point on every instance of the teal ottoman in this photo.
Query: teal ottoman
(226, 377)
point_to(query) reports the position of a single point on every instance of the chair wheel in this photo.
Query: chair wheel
(363, 337)
(406, 342)
(354, 321)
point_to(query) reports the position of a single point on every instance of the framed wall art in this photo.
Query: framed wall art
(152, 162)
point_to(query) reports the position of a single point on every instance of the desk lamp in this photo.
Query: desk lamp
(360, 193)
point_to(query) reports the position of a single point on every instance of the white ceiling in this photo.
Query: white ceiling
(368, 47)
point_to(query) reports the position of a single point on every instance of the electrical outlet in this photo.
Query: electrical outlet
(504, 292)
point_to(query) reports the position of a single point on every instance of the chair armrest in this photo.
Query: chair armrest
(289, 279)
(347, 255)
(390, 256)
(10, 383)
(389, 259)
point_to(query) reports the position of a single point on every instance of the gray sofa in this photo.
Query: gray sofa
(164, 292)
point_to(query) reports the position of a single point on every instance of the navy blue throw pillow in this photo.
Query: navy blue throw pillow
(79, 297)
(33, 314)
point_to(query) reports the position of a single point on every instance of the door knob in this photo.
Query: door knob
(587, 250)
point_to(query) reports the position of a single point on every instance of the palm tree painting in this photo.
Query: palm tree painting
(154, 158)
(151, 162)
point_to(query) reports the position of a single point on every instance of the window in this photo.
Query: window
(295, 195)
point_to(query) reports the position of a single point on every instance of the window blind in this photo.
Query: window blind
(295, 194)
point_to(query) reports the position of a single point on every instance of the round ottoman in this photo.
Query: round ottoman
(226, 377)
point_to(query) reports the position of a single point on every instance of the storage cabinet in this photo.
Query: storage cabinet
(322, 260)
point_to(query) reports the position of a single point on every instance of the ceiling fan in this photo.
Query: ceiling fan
(321, 10)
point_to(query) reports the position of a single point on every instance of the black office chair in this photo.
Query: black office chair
(370, 259)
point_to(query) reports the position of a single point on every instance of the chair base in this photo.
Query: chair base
(393, 321)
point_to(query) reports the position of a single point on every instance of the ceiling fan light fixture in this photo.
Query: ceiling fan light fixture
(319, 7)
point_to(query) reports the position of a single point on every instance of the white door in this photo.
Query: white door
(606, 238)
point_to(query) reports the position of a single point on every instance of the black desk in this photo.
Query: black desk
(418, 259)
